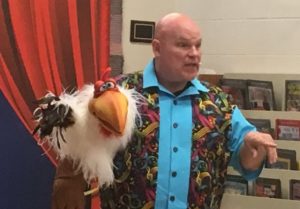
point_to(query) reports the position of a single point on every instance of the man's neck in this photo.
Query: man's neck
(171, 86)
(174, 87)
(176, 93)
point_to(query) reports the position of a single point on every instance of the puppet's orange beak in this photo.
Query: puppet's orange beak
(111, 110)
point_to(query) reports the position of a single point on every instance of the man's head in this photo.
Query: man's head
(176, 48)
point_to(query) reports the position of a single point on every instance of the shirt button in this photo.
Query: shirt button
(175, 102)
(172, 198)
(175, 125)
(175, 149)
(174, 174)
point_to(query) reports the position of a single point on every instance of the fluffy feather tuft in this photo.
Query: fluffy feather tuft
(92, 151)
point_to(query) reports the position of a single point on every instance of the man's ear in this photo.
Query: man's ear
(156, 47)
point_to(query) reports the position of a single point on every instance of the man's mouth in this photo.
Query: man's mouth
(196, 65)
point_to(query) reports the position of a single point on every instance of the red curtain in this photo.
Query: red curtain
(53, 45)
(50, 45)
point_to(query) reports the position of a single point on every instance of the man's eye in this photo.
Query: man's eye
(198, 46)
(183, 45)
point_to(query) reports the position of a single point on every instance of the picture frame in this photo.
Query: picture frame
(286, 160)
(262, 125)
(295, 189)
(287, 129)
(142, 31)
(292, 95)
(236, 185)
(211, 79)
(267, 187)
(260, 95)
(236, 90)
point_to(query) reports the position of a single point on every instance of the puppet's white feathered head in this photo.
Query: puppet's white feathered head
(89, 126)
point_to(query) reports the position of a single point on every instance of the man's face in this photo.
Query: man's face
(179, 54)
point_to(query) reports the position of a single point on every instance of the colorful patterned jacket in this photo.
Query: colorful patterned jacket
(136, 167)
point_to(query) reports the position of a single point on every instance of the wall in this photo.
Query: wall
(238, 35)
(137, 55)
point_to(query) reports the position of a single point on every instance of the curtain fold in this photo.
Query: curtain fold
(53, 45)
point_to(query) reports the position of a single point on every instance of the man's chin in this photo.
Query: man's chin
(191, 75)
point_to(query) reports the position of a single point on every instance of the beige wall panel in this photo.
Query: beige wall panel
(260, 37)
(252, 64)
(239, 9)
(137, 55)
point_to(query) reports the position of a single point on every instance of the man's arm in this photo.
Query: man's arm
(256, 147)
(68, 188)
(249, 147)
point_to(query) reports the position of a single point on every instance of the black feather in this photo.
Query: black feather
(50, 114)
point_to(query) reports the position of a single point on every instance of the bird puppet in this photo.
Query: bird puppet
(88, 126)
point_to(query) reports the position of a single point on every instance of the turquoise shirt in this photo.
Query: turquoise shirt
(175, 142)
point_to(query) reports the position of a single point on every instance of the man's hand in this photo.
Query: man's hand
(68, 188)
(256, 147)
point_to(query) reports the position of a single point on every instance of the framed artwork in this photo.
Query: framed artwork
(295, 189)
(267, 187)
(236, 90)
(287, 129)
(262, 125)
(212, 79)
(260, 95)
(286, 160)
(292, 95)
(236, 185)
(142, 31)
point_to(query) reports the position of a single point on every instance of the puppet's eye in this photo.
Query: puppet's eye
(110, 84)
(103, 87)
(107, 85)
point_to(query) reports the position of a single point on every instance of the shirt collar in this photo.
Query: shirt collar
(150, 79)
(149, 76)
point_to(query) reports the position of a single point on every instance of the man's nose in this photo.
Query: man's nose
(194, 51)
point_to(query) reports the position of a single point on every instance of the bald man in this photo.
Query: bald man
(190, 133)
